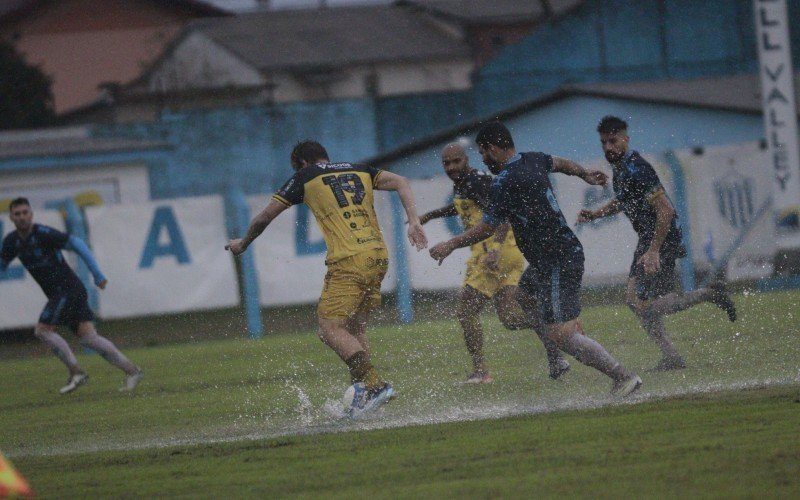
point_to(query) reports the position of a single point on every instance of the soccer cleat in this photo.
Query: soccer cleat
(479, 377)
(132, 380)
(560, 367)
(74, 382)
(366, 400)
(669, 364)
(626, 386)
(721, 299)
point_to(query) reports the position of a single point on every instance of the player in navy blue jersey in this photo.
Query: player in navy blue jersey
(39, 249)
(523, 196)
(493, 269)
(639, 194)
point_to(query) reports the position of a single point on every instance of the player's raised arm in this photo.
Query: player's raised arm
(257, 226)
(388, 181)
(448, 211)
(476, 234)
(607, 210)
(569, 167)
(78, 246)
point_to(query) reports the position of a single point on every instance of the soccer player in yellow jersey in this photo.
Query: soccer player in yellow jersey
(340, 195)
(493, 269)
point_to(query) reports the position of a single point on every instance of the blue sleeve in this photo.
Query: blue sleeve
(495, 213)
(78, 246)
(647, 182)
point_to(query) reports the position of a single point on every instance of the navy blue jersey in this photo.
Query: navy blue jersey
(475, 186)
(523, 196)
(636, 184)
(40, 253)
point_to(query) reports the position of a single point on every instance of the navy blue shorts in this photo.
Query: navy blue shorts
(658, 284)
(557, 288)
(70, 309)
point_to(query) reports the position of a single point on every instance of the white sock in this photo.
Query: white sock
(109, 352)
(60, 348)
(591, 353)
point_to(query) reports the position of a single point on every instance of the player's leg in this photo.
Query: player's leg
(509, 311)
(525, 296)
(58, 346)
(357, 326)
(470, 304)
(45, 330)
(660, 287)
(350, 287)
(89, 338)
(560, 312)
(655, 328)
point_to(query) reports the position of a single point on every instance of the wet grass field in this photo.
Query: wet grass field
(241, 418)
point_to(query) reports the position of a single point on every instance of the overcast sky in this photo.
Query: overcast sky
(245, 5)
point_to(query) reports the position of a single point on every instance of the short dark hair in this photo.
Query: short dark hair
(18, 201)
(495, 133)
(611, 124)
(309, 151)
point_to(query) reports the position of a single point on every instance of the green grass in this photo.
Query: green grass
(256, 418)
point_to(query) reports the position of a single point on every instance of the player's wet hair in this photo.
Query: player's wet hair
(495, 133)
(308, 150)
(17, 202)
(611, 124)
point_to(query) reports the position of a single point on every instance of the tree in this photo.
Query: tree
(26, 99)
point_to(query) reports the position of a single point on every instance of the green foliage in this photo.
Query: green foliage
(26, 99)
(239, 418)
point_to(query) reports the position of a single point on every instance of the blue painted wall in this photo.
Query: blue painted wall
(625, 40)
(247, 147)
(567, 128)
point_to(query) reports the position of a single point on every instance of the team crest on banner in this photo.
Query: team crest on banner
(736, 199)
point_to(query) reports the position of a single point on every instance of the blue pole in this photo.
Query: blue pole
(404, 308)
(76, 226)
(682, 207)
(238, 220)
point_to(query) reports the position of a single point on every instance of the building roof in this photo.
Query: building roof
(10, 8)
(739, 93)
(493, 11)
(328, 38)
(67, 141)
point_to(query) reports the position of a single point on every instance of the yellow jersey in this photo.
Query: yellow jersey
(340, 195)
(470, 197)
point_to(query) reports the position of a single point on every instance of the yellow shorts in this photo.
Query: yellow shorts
(353, 285)
(488, 282)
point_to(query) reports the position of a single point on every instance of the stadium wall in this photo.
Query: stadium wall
(627, 40)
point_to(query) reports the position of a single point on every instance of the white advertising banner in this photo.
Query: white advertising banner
(22, 299)
(163, 257)
(290, 254)
(426, 273)
(726, 188)
(780, 116)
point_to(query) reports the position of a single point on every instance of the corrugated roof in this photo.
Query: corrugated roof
(739, 92)
(67, 142)
(493, 11)
(328, 38)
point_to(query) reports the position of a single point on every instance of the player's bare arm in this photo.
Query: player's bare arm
(448, 211)
(611, 208)
(257, 226)
(664, 214)
(387, 181)
(569, 167)
(476, 234)
(492, 259)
